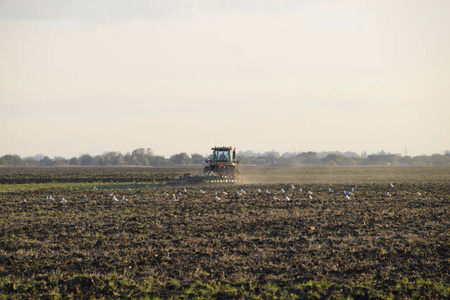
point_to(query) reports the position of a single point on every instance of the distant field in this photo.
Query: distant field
(370, 245)
(251, 174)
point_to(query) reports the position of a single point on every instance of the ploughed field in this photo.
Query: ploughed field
(346, 233)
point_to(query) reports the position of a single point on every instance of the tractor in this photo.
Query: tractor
(221, 169)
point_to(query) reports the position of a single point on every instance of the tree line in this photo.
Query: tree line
(146, 157)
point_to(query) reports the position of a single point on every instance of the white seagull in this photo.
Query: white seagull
(124, 198)
(287, 198)
(174, 198)
(310, 197)
(267, 192)
(282, 190)
(388, 194)
(216, 198)
(225, 193)
(63, 200)
(259, 190)
(114, 198)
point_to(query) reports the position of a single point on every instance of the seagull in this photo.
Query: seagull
(216, 198)
(95, 188)
(353, 190)
(202, 191)
(237, 193)
(85, 197)
(267, 192)
(174, 198)
(179, 193)
(124, 198)
(47, 198)
(418, 194)
(184, 190)
(347, 197)
(309, 192)
(391, 185)
(259, 190)
(275, 198)
(282, 190)
(292, 186)
(112, 194)
(330, 190)
(243, 192)
(24, 200)
(165, 194)
(63, 200)
(287, 198)
(309, 197)
(300, 190)
(114, 198)
(388, 194)
(225, 193)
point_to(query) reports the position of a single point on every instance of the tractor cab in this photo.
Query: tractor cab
(223, 154)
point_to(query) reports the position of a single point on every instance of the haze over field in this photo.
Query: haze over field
(182, 76)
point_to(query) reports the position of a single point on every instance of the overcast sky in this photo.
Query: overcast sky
(182, 76)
